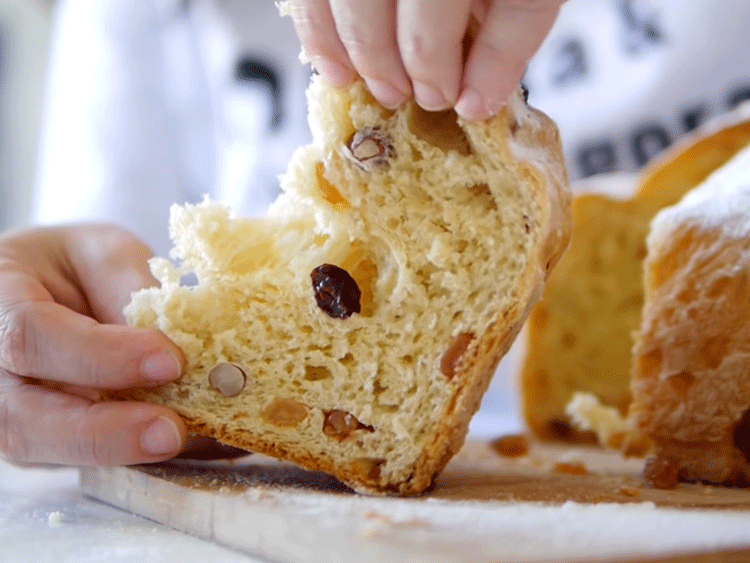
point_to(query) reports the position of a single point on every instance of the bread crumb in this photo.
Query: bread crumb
(55, 519)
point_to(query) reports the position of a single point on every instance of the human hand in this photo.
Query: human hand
(62, 291)
(416, 47)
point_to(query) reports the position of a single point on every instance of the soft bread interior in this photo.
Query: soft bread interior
(448, 236)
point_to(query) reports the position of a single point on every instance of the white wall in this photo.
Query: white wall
(24, 29)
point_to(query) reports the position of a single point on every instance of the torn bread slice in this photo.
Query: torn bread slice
(355, 328)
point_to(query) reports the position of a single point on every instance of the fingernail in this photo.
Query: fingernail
(336, 74)
(471, 105)
(161, 437)
(161, 366)
(429, 98)
(475, 107)
(386, 93)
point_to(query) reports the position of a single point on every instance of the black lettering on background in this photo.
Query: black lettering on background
(597, 158)
(648, 142)
(693, 117)
(738, 95)
(253, 70)
(641, 31)
(569, 63)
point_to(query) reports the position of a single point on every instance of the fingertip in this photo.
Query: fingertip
(475, 106)
(386, 93)
(164, 437)
(161, 366)
(336, 74)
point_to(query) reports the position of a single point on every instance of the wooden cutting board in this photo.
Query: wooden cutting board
(556, 503)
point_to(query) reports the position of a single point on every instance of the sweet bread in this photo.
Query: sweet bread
(691, 368)
(580, 334)
(355, 328)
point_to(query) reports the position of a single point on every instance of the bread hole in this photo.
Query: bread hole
(367, 468)
(568, 340)
(347, 360)
(393, 223)
(687, 295)
(712, 351)
(306, 329)
(362, 267)
(330, 194)
(317, 373)
(451, 360)
(183, 394)
(482, 195)
(284, 412)
(741, 435)
(378, 388)
(188, 280)
(380, 200)
(439, 128)
(407, 360)
(649, 364)
(339, 425)
(289, 368)
(718, 287)
(681, 383)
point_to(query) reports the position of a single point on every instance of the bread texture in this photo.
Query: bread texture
(691, 369)
(579, 337)
(448, 229)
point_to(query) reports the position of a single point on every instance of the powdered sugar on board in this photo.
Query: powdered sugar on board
(482, 509)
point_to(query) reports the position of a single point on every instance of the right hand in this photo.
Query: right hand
(62, 340)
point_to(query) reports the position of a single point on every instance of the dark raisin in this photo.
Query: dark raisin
(741, 435)
(336, 292)
(661, 472)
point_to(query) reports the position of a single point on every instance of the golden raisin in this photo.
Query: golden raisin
(340, 424)
(454, 353)
(514, 445)
(571, 468)
(285, 412)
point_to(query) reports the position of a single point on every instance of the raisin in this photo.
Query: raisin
(741, 435)
(336, 292)
(525, 92)
(661, 472)
(340, 424)
(514, 445)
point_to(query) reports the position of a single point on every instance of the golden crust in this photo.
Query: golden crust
(561, 358)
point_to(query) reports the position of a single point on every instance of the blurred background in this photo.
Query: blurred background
(24, 40)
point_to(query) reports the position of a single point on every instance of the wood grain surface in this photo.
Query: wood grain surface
(556, 503)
